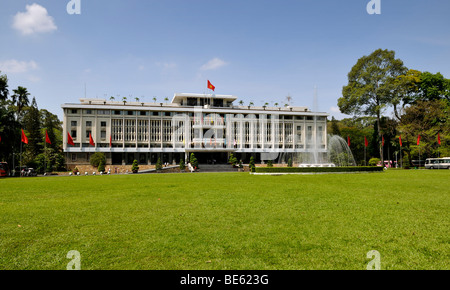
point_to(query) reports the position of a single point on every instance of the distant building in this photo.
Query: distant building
(210, 126)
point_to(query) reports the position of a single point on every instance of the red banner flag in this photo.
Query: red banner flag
(366, 142)
(439, 139)
(47, 139)
(348, 141)
(70, 140)
(0, 139)
(210, 86)
(24, 137)
(400, 139)
(91, 140)
(418, 140)
(382, 141)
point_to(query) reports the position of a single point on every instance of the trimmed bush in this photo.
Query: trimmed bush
(101, 166)
(158, 164)
(182, 165)
(135, 166)
(374, 161)
(252, 164)
(96, 158)
(290, 162)
(233, 160)
(193, 160)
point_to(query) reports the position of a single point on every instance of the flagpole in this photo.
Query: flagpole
(20, 163)
(365, 159)
(419, 157)
(45, 155)
(401, 159)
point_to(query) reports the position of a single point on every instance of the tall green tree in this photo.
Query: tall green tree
(32, 124)
(9, 132)
(334, 130)
(427, 119)
(356, 129)
(52, 124)
(434, 87)
(20, 99)
(371, 84)
(405, 91)
(4, 92)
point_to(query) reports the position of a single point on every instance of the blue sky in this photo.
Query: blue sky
(261, 51)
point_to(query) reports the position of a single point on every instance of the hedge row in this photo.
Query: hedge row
(316, 169)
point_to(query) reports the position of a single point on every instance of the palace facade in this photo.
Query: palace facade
(210, 126)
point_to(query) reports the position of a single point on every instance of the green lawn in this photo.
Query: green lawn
(229, 221)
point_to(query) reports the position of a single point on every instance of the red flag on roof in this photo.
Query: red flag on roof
(47, 139)
(70, 140)
(210, 86)
(24, 137)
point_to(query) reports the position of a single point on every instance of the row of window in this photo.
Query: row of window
(171, 114)
(103, 124)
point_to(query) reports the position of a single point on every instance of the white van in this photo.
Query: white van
(438, 163)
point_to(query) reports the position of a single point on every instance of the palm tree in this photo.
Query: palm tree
(112, 98)
(241, 102)
(276, 104)
(20, 98)
(3, 87)
(124, 100)
(154, 99)
(166, 99)
(137, 99)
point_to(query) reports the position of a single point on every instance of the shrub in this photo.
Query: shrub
(233, 160)
(193, 161)
(158, 164)
(135, 166)
(406, 163)
(374, 161)
(96, 158)
(182, 165)
(101, 166)
(269, 163)
(290, 162)
(252, 164)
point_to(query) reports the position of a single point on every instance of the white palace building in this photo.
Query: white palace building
(210, 126)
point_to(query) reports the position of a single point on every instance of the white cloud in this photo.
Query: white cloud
(17, 67)
(34, 20)
(335, 110)
(213, 64)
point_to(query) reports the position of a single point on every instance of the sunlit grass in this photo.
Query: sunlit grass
(227, 221)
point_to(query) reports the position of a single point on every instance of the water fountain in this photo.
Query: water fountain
(338, 154)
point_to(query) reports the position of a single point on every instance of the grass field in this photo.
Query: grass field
(229, 221)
